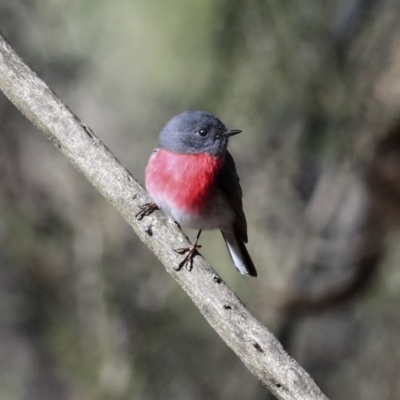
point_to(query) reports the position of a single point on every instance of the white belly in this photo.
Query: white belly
(217, 214)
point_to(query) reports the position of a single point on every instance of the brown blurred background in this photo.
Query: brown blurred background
(87, 312)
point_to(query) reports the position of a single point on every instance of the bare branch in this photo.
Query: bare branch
(248, 338)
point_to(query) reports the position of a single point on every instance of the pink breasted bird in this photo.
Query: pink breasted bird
(192, 177)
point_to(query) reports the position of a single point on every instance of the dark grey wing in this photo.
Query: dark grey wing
(228, 182)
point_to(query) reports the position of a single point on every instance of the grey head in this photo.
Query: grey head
(194, 132)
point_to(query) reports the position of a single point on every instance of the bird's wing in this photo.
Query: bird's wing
(228, 182)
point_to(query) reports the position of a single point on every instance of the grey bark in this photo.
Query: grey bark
(262, 354)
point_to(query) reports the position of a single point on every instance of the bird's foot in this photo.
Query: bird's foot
(188, 260)
(146, 209)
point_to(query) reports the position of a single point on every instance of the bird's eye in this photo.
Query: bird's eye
(203, 132)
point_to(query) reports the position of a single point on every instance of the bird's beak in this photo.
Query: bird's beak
(231, 132)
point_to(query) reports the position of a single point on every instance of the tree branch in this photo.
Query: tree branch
(262, 354)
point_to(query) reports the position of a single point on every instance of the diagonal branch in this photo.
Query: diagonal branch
(262, 354)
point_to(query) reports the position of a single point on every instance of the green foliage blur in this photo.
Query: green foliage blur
(88, 313)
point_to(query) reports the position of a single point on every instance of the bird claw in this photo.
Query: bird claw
(145, 210)
(184, 250)
(188, 260)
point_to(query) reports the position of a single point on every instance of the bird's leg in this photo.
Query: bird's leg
(146, 209)
(191, 252)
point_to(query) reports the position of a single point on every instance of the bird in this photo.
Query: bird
(192, 177)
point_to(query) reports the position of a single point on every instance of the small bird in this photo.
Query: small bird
(192, 177)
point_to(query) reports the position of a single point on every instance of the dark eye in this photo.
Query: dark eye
(203, 132)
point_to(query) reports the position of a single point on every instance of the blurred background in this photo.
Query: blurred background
(87, 312)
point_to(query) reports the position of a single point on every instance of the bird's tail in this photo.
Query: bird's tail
(239, 254)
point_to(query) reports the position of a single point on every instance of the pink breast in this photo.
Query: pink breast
(184, 181)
